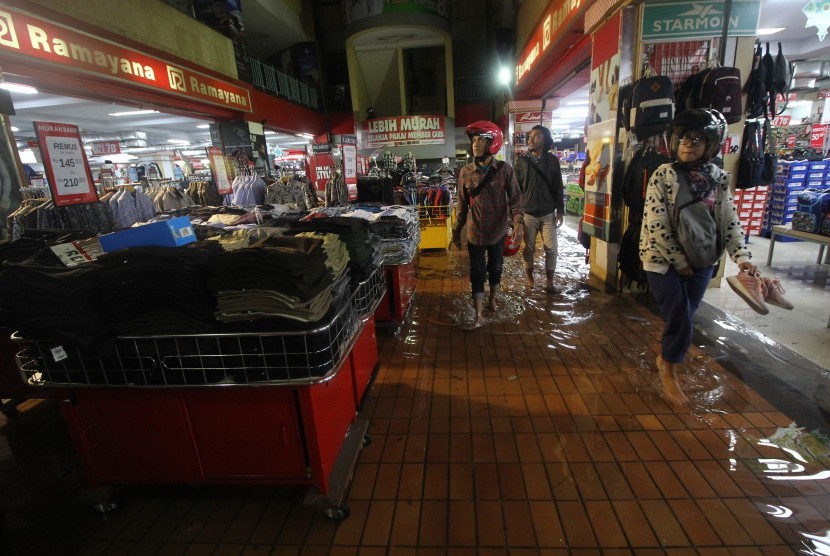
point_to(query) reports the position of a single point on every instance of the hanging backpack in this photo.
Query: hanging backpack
(769, 79)
(751, 161)
(628, 258)
(624, 106)
(755, 86)
(652, 106)
(720, 89)
(639, 170)
(783, 75)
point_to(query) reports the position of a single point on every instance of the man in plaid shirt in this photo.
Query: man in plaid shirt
(489, 194)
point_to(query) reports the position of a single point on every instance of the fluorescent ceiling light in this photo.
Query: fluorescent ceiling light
(195, 152)
(768, 31)
(269, 132)
(179, 141)
(305, 136)
(14, 129)
(133, 113)
(203, 126)
(578, 103)
(19, 88)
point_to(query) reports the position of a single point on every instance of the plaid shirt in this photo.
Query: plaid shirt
(487, 207)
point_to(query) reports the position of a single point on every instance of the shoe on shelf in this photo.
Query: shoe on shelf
(751, 289)
(775, 293)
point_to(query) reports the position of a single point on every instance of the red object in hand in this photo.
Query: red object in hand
(509, 249)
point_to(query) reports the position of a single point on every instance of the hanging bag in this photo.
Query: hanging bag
(695, 228)
(751, 161)
(755, 87)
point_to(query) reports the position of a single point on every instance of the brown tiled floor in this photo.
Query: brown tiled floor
(542, 433)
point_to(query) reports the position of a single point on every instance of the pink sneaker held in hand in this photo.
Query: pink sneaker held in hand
(751, 289)
(775, 293)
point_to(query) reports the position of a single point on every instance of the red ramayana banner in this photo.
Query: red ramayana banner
(401, 130)
(559, 15)
(105, 148)
(65, 163)
(28, 35)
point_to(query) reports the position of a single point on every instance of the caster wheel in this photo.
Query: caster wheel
(366, 440)
(338, 514)
(106, 506)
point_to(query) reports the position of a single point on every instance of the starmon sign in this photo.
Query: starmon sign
(672, 20)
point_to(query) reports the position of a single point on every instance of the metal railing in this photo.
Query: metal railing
(281, 84)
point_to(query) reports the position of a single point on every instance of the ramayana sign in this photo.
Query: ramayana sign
(401, 130)
(27, 35)
(554, 20)
(671, 20)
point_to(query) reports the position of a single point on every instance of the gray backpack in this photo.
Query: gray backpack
(696, 230)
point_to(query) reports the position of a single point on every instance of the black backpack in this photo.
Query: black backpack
(624, 106)
(751, 161)
(756, 88)
(770, 166)
(628, 259)
(718, 88)
(783, 74)
(652, 106)
(639, 170)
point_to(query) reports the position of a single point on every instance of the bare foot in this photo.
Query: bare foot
(477, 323)
(672, 392)
(492, 306)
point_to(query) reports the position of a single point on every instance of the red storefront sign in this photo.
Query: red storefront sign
(65, 163)
(28, 35)
(401, 130)
(105, 148)
(791, 141)
(557, 17)
(817, 137)
(535, 118)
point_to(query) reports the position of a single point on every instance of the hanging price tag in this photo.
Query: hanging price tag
(65, 162)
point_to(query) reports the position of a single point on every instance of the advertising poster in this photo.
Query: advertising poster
(398, 131)
(219, 170)
(605, 72)
(598, 171)
(65, 163)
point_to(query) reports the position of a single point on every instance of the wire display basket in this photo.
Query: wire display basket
(299, 357)
(368, 294)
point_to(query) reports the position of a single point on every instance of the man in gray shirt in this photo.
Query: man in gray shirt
(543, 195)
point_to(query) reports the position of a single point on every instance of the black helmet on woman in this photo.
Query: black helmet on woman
(710, 123)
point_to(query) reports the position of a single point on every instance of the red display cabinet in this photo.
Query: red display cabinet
(400, 287)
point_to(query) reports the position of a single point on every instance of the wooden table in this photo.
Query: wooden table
(787, 231)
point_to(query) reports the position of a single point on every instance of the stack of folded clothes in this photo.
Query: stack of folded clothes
(285, 277)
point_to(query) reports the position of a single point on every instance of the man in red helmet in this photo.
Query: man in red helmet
(489, 194)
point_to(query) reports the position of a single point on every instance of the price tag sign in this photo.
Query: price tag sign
(64, 159)
(219, 171)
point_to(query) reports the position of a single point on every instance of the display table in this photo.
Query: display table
(246, 408)
(787, 231)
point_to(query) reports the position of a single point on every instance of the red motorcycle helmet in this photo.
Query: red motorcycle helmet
(509, 248)
(489, 130)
